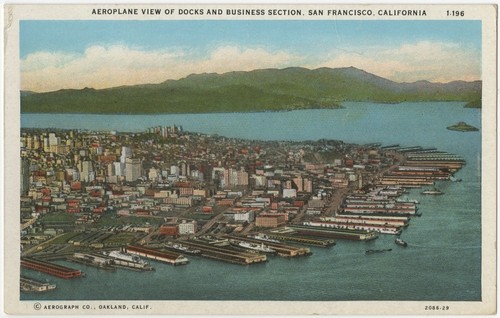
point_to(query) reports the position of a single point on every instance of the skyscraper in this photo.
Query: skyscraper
(133, 169)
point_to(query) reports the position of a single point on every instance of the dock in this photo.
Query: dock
(225, 253)
(355, 235)
(284, 250)
(50, 268)
(31, 285)
(321, 242)
(161, 256)
(92, 259)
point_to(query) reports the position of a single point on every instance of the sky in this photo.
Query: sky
(101, 54)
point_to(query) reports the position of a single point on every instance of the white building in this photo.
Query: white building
(248, 216)
(133, 169)
(187, 227)
(289, 193)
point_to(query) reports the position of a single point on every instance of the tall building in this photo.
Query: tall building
(175, 170)
(308, 185)
(299, 183)
(53, 140)
(133, 169)
(242, 178)
(185, 169)
(87, 171)
(126, 153)
(118, 168)
(233, 177)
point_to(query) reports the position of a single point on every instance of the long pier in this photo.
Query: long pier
(355, 235)
(226, 254)
(50, 268)
(161, 256)
(282, 249)
(301, 239)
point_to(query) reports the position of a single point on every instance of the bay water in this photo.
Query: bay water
(442, 261)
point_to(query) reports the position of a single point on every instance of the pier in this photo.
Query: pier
(321, 242)
(31, 285)
(161, 256)
(282, 249)
(50, 268)
(225, 253)
(355, 235)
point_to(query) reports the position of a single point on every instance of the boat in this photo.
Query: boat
(400, 242)
(432, 191)
(368, 252)
(453, 179)
(257, 247)
(126, 257)
(263, 237)
(406, 200)
(184, 249)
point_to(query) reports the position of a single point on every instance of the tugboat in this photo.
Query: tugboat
(432, 191)
(400, 242)
(453, 179)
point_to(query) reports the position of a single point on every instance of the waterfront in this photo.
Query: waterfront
(442, 261)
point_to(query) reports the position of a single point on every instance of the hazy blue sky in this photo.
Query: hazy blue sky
(76, 54)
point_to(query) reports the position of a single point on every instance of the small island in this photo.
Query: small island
(461, 126)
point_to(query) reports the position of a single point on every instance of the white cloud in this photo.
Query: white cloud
(109, 66)
(433, 61)
(102, 67)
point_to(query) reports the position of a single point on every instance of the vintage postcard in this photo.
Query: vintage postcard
(250, 159)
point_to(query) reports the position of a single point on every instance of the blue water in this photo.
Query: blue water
(442, 261)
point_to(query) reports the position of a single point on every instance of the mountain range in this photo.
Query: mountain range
(257, 90)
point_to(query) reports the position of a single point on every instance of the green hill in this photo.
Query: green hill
(258, 90)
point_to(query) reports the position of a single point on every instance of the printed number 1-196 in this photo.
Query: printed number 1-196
(454, 13)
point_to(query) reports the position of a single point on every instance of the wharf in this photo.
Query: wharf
(31, 285)
(321, 242)
(377, 211)
(50, 268)
(98, 261)
(451, 165)
(107, 262)
(355, 235)
(225, 253)
(347, 225)
(402, 221)
(284, 250)
(404, 181)
(161, 256)
(409, 174)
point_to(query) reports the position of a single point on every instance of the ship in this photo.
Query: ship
(453, 179)
(368, 252)
(184, 249)
(400, 242)
(126, 257)
(432, 191)
(406, 200)
(263, 237)
(257, 247)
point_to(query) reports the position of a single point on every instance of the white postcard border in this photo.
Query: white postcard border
(15, 13)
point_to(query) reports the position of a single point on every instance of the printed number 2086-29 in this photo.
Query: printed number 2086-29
(437, 307)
